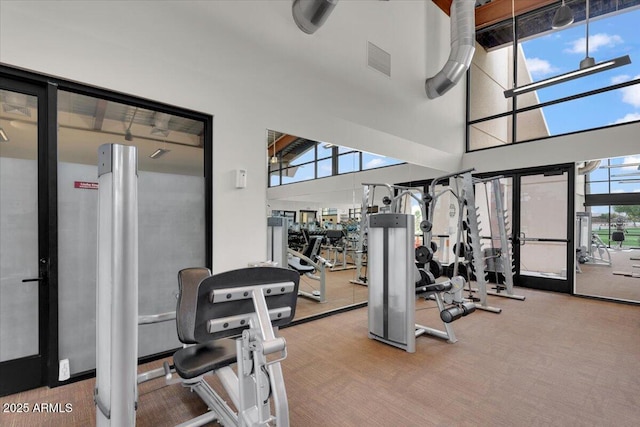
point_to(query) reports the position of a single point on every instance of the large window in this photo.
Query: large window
(612, 196)
(293, 159)
(602, 99)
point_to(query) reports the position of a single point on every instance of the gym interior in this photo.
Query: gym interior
(320, 213)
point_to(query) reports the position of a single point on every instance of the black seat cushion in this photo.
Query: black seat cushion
(201, 358)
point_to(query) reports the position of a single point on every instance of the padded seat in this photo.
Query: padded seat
(199, 359)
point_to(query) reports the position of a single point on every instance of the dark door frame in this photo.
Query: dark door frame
(33, 371)
(563, 286)
(47, 87)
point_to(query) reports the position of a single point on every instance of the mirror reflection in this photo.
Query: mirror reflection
(608, 228)
(317, 188)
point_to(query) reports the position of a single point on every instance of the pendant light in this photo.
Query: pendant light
(587, 67)
(562, 17)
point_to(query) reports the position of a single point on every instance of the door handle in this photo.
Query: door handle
(43, 263)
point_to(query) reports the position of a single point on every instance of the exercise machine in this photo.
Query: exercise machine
(395, 281)
(500, 258)
(307, 263)
(590, 249)
(209, 316)
(229, 319)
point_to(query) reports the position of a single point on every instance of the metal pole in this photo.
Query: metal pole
(117, 286)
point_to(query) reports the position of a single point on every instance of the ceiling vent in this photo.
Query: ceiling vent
(378, 59)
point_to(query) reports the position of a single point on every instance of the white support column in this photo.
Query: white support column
(117, 286)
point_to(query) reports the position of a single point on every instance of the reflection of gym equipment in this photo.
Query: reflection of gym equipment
(249, 303)
(395, 280)
(590, 249)
(309, 262)
(338, 249)
(306, 263)
(499, 259)
(618, 235)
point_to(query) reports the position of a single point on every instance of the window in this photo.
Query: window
(612, 195)
(171, 207)
(603, 99)
(293, 159)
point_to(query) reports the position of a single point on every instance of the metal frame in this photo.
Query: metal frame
(515, 111)
(115, 392)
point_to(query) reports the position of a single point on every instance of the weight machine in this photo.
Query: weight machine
(210, 314)
(395, 281)
(591, 249)
(306, 263)
(500, 258)
(468, 250)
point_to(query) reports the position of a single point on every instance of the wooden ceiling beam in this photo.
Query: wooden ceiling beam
(497, 10)
(281, 143)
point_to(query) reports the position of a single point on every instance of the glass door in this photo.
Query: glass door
(543, 235)
(24, 258)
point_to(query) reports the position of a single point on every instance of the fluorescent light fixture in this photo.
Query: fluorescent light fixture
(16, 103)
(602, 66)
(159, 153)
(3, 136)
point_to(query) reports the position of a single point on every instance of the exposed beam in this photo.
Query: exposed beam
(101, 109)
(498, 10)
(281, 143)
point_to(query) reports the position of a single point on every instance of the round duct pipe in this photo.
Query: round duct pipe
(309, 15)
(463, 39)
(588, 167)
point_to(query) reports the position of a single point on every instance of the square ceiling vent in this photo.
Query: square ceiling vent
(378, 59)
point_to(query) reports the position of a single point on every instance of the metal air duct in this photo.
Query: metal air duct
(309, 15)
(463, 32)
(588, 167)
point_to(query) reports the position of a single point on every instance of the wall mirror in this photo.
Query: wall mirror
(608, 228)
(318, 187)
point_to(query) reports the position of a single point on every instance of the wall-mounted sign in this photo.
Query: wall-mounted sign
(84, 185)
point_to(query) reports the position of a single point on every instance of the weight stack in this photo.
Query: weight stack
(391, 285)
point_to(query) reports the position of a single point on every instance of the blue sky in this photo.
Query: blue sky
(562, 51)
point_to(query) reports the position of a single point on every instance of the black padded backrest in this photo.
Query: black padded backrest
(206, 310)
(188, 281)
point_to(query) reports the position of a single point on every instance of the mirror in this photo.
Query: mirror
(608, 228)
(318, 187)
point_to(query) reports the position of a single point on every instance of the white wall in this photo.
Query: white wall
(598, 144)
(248, 64)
